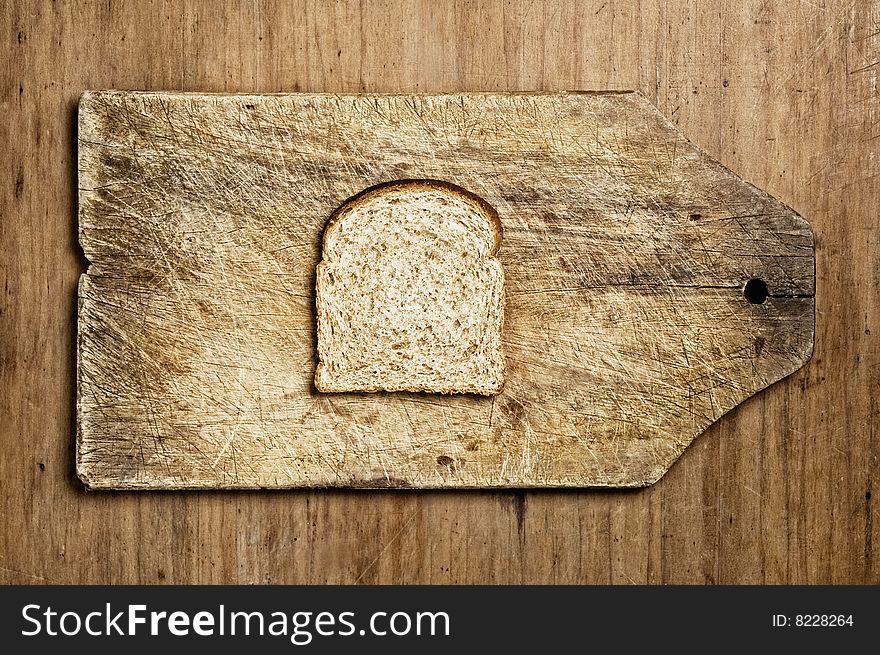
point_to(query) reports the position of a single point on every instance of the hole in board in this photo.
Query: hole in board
(755, 291)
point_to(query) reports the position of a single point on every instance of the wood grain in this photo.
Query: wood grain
(781, 489)
(626, 251)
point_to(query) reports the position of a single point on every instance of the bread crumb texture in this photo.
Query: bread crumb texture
(410, 295)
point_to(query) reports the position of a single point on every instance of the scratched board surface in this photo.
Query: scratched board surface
(625, 251)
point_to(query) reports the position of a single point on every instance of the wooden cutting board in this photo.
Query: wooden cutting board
(648, 290)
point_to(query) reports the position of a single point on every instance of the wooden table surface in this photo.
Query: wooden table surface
(779, 490)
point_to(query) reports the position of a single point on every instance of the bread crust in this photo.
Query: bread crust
(417, 185)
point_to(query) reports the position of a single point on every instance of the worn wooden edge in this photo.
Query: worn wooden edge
(80, 467)
(393, 483)
(807, 353)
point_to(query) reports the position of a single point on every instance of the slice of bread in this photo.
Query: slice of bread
(410, 296)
